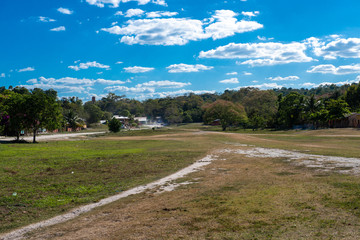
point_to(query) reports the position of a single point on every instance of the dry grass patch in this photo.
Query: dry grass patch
(236, 198)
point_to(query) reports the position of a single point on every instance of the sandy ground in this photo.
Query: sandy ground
(54, 136)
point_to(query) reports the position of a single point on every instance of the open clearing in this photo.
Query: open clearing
(261, 186)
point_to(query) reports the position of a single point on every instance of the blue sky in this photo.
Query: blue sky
(156, 48)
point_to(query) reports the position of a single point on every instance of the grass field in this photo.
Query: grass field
(41, 180)
(239, 197)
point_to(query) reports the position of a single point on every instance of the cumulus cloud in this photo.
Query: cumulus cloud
(264, 38)
(69, 84)
(225, 24)
(339, 48)
(2, 75)
(179, 31)
(267, 86)
(289, 78)
(134, 12)
(124, 89)
(247, 73)
(115, 3)
(87, 65)
(137, 69)
(46, 19)
(331, 69)
(260, 54)
(163, 84)
(250, 14)
(313, 85)
(180, 68)
(58, 29)
(65, 11)
(28, 69)
(157, 14)
(231, 73)
(231, 81)
(179, 93)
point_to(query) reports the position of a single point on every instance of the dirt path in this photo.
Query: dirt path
(56, 136)
(88, 226)
(164, 184)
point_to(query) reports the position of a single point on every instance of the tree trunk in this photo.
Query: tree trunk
(17, 136)
(34, 135)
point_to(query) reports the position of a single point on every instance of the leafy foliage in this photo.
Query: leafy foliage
(114, 125)
(228, 113)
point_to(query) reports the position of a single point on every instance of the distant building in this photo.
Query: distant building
(93, 99)
(141, 120)
(122, 119)
(350, 120)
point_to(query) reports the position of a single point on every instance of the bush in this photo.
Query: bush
(114, 125)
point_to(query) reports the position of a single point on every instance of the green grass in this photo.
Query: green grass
(45, 179)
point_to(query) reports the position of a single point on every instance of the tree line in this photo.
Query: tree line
(23, 109)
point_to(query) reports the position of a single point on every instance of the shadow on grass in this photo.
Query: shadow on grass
(21, 141)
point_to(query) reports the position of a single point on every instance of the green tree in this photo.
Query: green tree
(227, 112)
(42, 111)
(13, 113)
(337, 109)
(114, 125)
(173, 114)
(94, 113)
(291, 110)
(352, 97)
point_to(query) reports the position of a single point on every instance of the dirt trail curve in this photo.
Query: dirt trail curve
(162, 184)
(321, 163)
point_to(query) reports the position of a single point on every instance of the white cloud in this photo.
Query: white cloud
(181, 68)
(115, 3)
(226, 25)
(134, 12)
(339, 48)
(247, 73)
(158, 14)
(46, 19)
(108, 82)
(313, 85)
(267, 86)
(124, 89)
(179, 31)
(58, 29)
(119, 13)
(119, 62)
(264, 38)
(2, 75)
(231, 73)
(331, 69)
(289, 78)
(163, 84)
(231, 81)
(180, 93)
(87, 65)
(65, 11)
(170, 31)
(137, 69)
(28, 69)
(260, 54)
(69, 84)
(250, 14)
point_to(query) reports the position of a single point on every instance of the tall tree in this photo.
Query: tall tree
(227, 112)
(42, 111)
(291, 110)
